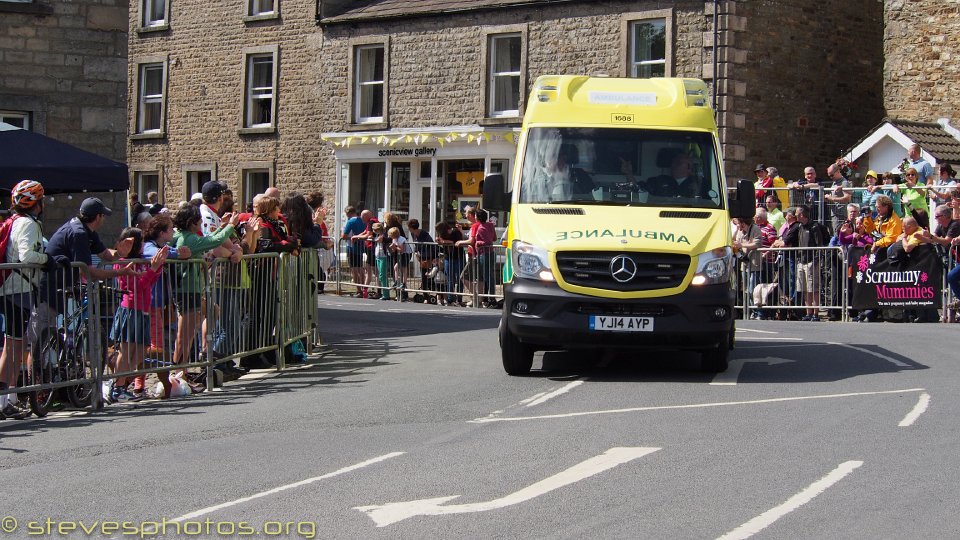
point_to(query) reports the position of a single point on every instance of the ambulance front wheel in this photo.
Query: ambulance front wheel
(517, 357)
(717, 359)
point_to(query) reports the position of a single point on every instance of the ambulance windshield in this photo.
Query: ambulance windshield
(635, 167)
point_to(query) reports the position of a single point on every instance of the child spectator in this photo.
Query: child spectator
(402, 252)
(131, 323)
(382, 254)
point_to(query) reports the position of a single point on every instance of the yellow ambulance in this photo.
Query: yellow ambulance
(619, 233)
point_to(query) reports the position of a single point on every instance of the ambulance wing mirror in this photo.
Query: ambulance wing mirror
(495, 196)
(744, 204)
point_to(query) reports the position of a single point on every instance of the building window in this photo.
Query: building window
(261, 7)
(154, 13)
(369, 84)
(195, 177)
(19, 119)
(648, 48)
(255, 181)
(504, 75)
(150, 97)
(260, 94)
(146, 182)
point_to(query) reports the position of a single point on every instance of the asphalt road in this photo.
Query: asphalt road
(406, 426)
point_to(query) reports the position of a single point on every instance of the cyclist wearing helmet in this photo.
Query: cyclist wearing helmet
(19, 288)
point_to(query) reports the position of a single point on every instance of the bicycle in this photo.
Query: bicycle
(64, 356)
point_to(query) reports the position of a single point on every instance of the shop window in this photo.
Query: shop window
(505, 65)
(369, 84)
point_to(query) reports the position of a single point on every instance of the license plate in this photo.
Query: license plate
(604, 323)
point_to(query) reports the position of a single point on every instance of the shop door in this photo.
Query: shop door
(400, 190)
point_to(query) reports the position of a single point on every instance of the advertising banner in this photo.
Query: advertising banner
(912, 282)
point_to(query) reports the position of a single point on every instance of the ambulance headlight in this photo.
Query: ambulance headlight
(531, 262)
(713, 267)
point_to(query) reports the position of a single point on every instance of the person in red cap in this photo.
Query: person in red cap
(25, 245)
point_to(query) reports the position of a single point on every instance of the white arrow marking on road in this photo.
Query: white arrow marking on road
(918, 409)
(732, 374)
(690, 406)
(893, 361)
(386, 514)
(555, 393)
(276, 490)
(767, 518)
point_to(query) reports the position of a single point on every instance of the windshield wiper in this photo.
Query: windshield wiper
(588, 202)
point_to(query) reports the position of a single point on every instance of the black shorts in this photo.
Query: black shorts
(15, 315)
(188, 302)
(355, 257)
(371, 258)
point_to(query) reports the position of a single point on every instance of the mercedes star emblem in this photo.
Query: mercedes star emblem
(622, 268)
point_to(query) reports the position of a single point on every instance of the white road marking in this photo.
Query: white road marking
(893, 361)
(386, 514)
(756, 331)
(767, 518)
(691, 406)
(747, 339)
(918, 409)
(568, 387)
(276, 490)
(531, 398)
(732, 374)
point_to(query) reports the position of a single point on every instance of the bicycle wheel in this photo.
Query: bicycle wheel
(45, 368)
(80, 368)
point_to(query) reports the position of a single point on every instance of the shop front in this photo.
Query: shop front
(428, 174)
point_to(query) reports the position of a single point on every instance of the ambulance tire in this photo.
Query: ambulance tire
(716, 359)
(517, 357)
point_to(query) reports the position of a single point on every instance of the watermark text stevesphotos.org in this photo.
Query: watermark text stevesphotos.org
(207, 528)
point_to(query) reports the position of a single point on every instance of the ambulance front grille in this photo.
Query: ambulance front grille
(634, 272)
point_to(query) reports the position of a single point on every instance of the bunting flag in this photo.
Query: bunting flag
(510, 137)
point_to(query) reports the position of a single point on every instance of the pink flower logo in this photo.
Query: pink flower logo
(924, 277)
(863, 263)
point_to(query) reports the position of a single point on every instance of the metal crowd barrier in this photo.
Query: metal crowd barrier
(773, 288)
(201, 313)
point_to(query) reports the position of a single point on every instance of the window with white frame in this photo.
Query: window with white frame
(261, 7)
(154, 13)
(146, 182)
(196, 179)
(369, 84)
(504, 75)
(255, 181)
(150, 98)
(261, 91)
(648, 48)
(19, 119)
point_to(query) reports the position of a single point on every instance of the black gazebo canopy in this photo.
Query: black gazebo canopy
(60, 167)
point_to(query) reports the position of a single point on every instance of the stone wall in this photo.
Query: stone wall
(922, 49)
(804, 82)
(205, 88)
(65, 64)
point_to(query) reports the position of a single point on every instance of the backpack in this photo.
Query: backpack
(5, 229)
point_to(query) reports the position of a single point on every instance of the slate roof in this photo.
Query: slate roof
(364, 10)
(932, 138)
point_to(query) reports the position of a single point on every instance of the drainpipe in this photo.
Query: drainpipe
(716, 52)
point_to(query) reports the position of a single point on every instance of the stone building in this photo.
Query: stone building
(405, 104)
(921, 50)
(63, 74)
